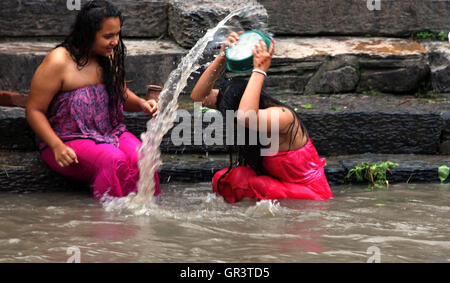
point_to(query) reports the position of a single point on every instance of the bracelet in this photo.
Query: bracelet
(260, 71)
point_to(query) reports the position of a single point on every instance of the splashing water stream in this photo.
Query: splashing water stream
(150, 154)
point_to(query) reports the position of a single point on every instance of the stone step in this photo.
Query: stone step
(189, 20)
(325, 65)
(353, 124)
(338, 124)
(21, 18)
(186, 21)
(25, 171)
(148, 62)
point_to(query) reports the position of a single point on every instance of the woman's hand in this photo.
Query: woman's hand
(261, 57)
(65, 155)
(231, 40)
(150, 107)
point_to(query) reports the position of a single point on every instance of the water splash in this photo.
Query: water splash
(265, 208)
(252, 15)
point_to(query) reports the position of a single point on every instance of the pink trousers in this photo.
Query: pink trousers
(108, 169)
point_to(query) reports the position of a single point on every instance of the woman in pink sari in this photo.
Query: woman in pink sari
(76, 103)
(295, 171)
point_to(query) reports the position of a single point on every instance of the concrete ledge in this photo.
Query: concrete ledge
(25, 172)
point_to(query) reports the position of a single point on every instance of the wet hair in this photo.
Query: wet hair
(229, 98)
(80, 43)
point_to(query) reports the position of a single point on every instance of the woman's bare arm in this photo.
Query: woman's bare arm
(249, 105)
(46, 83)
(203, 90)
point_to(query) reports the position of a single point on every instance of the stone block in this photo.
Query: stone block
(445, 137)
(147, 62)
(22, 18)
(406, 79)
(26, 172)
(357, 17)
(16, 134)
(439, 61)
(370, 131)
(189, 20)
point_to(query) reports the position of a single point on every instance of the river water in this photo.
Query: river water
(407, 223)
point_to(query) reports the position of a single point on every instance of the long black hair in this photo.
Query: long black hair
(80, 43)
(229, 98)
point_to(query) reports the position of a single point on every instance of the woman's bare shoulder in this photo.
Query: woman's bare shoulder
(58, 58)
(50, 74)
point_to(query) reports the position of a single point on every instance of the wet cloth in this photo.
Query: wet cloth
(296, 174)
(108, 169)
(106, 152)
(84, 114)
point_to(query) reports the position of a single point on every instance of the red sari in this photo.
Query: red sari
(295, 174)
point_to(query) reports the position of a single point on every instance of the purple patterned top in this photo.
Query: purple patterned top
(84, 114)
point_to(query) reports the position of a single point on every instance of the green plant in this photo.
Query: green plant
(335, 108)
(306, 106)
(443, 172)
(371, 92)
(442, 36)
(375, 173)
(425, 35)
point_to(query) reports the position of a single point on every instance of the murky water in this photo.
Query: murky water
(407, 223)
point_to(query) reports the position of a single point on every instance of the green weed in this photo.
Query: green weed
(375, 173)
(443, 172)
(425, 35)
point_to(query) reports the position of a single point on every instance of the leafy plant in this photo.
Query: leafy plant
(375, 173)
(335, 108)
(307, 106)
(442, 36)
(443, 172)
(425, 35)
(371, 92)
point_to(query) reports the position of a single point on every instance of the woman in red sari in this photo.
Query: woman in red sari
(295, 171)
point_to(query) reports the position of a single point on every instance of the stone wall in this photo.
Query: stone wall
(357, 17)
(186, 21)
(23, 18)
